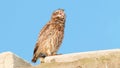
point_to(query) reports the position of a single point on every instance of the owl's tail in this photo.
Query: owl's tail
(34, 59)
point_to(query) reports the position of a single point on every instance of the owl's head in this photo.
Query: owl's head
(59, 15)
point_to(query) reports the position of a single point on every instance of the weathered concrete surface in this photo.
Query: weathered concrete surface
(76, 56)
(94, 59)
(9, 60)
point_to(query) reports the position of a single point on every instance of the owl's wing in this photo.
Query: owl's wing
(43, 35)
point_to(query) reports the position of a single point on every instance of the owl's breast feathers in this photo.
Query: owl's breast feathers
(49, 30)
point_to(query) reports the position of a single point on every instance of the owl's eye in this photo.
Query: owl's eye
(54, 14)
(57, 12)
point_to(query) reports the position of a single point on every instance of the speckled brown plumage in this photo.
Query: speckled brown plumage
(51, 36)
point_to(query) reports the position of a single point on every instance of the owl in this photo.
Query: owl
(50, 37)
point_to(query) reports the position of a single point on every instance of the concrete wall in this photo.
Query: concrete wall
(10, 60)
(92, 59)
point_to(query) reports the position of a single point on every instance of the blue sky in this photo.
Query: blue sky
(90, 25)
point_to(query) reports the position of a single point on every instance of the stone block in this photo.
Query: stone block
(10, 60)
(91, 59)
